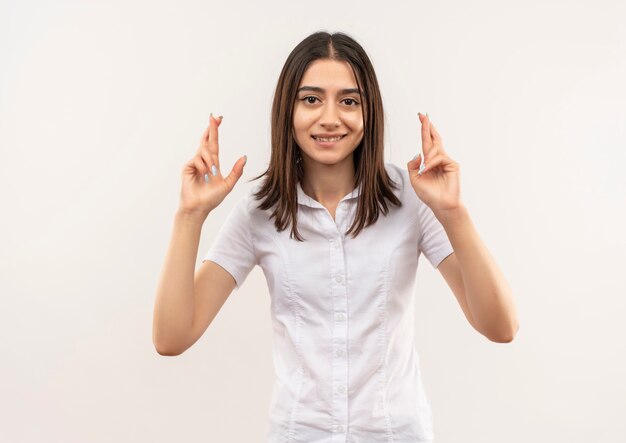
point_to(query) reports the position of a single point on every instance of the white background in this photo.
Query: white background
(101, 104)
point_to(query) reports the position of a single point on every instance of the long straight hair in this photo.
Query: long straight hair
(279, 188)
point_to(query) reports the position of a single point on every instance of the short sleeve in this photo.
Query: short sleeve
(433, 240)
(233, 248)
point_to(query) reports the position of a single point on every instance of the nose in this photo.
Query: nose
(330, 117)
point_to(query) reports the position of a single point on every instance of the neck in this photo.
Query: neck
(328, 184)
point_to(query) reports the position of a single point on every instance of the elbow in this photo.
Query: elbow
(165, 349)
(505, 337)
(502, 339)
(167, 352)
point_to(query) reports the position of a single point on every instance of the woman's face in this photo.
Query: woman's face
(328, 105)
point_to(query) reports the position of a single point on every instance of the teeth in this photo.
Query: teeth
(334, 139)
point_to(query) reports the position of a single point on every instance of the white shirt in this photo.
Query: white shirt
(342, 313)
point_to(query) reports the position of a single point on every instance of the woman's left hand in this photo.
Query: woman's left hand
(439, 183)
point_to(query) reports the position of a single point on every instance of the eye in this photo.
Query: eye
(351, 100)
(306, 99)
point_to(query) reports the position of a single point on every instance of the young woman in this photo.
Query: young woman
(337, 233)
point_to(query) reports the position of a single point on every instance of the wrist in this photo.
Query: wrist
(459, 213)
(191, 216)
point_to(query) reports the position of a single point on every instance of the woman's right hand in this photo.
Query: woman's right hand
(200, 195)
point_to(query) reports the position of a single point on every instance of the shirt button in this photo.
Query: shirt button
(338, 278)
(340, 316)
(339, 428)
(339, 352)
(341, 389)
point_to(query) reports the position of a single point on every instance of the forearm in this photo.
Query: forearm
(174, 306)
(487, 292)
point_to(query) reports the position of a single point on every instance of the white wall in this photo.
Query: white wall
(101, 104)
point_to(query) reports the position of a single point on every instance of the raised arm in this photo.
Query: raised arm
(186, 302)
(470, 271)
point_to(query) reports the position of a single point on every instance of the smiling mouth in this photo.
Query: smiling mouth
(328, 139)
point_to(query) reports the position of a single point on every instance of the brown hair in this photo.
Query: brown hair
(284, 171)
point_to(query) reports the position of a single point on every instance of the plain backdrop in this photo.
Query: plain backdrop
(101, 105)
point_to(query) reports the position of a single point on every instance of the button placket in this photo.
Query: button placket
(340, 334)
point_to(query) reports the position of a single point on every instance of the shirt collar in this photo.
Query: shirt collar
(304, 199)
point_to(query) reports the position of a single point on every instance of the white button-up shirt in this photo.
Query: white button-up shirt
(343, 313)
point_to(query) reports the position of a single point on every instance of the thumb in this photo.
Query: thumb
(236, 172)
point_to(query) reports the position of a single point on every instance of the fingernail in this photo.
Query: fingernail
(214, 170)
(421, 169)
(245, 159)
(427, 116)
(415, 156)
(206, 178)
(220, 117)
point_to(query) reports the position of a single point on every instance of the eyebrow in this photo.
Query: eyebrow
(321, 90)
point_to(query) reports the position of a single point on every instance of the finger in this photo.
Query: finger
(432, 163)
(203, 150)
(204, 140)
(427, 141)
(434, 133)
(236, 172)
(436, 161)
(437, 140)
(416, 162)
(190, 166)
(214, 135)
(205, 136)
(213, 145)
(201, 167)
(206, 160)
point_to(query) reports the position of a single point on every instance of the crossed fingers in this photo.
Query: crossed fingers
(209, 145)
(432, 143)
